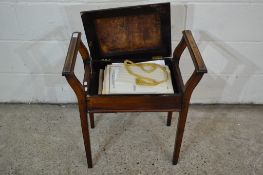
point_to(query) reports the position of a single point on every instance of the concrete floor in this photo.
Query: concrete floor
(46, 139)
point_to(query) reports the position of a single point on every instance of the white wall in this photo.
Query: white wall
(34, 37)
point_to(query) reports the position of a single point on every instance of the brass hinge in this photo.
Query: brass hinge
(105, 59)
(157, 57)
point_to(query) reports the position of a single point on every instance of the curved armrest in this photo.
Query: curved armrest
(189, 42)
(200, 68)
(75, 46)
(72, 54)
(194, 52)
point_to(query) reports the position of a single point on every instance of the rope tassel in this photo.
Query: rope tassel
(142, 80)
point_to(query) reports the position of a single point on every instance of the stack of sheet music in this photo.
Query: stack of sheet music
(115, 79)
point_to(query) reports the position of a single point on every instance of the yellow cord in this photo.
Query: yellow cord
(141, 80)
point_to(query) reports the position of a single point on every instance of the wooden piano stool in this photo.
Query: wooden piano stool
(138, 33)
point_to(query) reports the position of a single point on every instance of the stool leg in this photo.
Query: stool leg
(180, 132)
(169, 118)
(91, 118)
(85, 133)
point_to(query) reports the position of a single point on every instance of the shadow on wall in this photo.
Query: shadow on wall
(44, 64)
(220, 85)
(229, 77)
(229, 71)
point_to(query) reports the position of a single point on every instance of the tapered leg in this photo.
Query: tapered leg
(169, 118)
(85, 133)
(180, 132)
(91, 118)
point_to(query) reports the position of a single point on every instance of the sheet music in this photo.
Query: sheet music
(118, 81)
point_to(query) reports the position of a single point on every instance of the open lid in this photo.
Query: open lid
(137, 32)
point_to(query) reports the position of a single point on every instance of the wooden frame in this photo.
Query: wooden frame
(101, 31)
(90, 103)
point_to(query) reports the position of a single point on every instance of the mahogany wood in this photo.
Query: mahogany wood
(200, 68)
(68, 72)
(133, 32)
(91, 116)
(169, 118)
(126, 103)
(92, 103)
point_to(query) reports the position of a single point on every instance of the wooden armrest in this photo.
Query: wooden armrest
(194, 52)
(200, 68)
(75, 46)
(189, 42)
(72, 54)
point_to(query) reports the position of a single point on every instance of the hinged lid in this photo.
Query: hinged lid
(137, 32)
